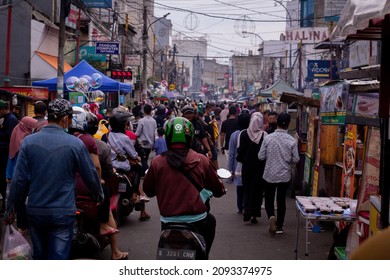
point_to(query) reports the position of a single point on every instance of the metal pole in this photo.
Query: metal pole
(144, 50)
(8, 47)
(290, 20)
(77, 58)
(61, 44)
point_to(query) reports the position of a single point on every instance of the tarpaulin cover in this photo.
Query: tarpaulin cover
(84, 68)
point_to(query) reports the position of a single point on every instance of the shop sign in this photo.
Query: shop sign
(307, 35)
(36, 93)
(98, 3)
(107, 47)
(363, 108)
(333, 102)
(321, 69)
(88, 53)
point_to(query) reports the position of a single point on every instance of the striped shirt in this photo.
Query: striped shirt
(280, 150)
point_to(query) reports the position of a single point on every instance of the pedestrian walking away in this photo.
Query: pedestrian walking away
(280, 151)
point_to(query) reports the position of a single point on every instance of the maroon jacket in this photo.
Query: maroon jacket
(176, 195)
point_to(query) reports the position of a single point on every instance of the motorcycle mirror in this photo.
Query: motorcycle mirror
(224, 173)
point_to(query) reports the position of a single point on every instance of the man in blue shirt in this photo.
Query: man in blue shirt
(47, 163)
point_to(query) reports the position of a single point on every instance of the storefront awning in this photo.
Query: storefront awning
(53, 61)
(301, 100)
(359, 20)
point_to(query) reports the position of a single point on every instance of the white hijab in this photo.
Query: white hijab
(256, 126)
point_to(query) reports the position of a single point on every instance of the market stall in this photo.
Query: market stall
(81, 80)
(322, 209)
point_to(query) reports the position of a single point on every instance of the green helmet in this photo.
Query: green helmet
(179, 130)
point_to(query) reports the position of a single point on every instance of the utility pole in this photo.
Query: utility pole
(144, 50)
(77, 57)
(61, 44)
(8, 47)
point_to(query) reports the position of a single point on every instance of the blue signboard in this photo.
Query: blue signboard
(98, 3)
(320, 69)
(107, 48)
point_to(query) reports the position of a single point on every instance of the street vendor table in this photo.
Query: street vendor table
(317, 217)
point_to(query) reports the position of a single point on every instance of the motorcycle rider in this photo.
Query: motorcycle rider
(178, 199)
(122, 150)
(104, 152)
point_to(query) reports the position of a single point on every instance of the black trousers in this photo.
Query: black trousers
(281, 191)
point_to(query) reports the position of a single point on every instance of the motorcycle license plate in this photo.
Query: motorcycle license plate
(122, 187)
(174, 254)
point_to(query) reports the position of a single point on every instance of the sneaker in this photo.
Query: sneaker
(272, 225)
(144, 198)
(279, 231)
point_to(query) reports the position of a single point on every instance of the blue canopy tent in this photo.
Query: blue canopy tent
(83, 68)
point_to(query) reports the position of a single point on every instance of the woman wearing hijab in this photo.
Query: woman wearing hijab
(24, 128)
(252, 168)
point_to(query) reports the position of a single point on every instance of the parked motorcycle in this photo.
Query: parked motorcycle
(180, 241)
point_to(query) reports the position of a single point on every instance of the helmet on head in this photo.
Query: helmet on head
(179, 130)
(160, 109)
(79, 119)
(118, 121)
(92, 123)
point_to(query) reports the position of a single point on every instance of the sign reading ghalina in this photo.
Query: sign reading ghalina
(310, 35)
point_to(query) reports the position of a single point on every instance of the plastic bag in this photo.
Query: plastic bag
(15, 246)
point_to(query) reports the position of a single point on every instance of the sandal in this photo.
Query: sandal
(144, 218)
(123, 256)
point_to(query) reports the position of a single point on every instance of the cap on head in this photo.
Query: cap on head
(58, 108)
(187, 109)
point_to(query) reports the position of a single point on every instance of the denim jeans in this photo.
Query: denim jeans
(144, 159)
(51, 236)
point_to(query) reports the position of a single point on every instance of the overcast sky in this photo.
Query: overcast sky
(223, 21)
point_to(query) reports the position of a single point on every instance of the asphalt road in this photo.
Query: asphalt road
(235, 239)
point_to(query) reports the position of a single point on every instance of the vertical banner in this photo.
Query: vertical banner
(315, 180)
(349, 155)
(370, 182)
